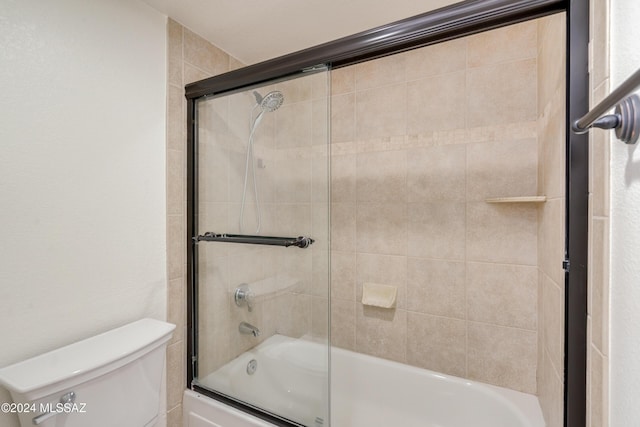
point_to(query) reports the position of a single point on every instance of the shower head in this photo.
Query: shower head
(271, 101)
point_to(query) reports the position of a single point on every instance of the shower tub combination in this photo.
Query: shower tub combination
(258, 211)
(366, 391)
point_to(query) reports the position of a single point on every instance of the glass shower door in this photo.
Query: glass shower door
(262, 263)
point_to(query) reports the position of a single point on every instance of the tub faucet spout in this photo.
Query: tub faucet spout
(248, 329)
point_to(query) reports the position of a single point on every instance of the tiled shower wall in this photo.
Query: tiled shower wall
(190, 58)
(420, 140)
(599, 224)
(551, 144)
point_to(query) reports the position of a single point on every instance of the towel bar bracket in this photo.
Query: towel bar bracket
(625, 120)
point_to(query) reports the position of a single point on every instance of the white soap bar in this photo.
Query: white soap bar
(379, 295)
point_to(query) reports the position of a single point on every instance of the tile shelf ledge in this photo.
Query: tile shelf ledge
(522, 199)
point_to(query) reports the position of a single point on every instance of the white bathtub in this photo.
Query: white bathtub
(365, 391)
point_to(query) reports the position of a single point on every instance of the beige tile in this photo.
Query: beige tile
(381, 228)
(295, 315)
(385, 270)
(174, 52)
(271, 176)
(321, 286)
(551, 395)
(343, 178)
(343, 227)
(296, 90)
(343, 80)
(176, 119)
(503, 233)
(504, 93)
(319, 317)
(551, 58)
(343, 117)
(176, 307)
(240, 105)
(320, 225)
(214, 348)
(599, 396)
(436, 174)
(244, 267)
(297, 266)
(551, 239)
(176, 198)
(502, 169)
(553, 325)
(214, 291)
(599, 270)
(599, 172)
(502, 294)
(381, 112)
(343, 324)
(293, 219)
(176, 373)
(436, 287)
(293, 179)
(600, 30)
(204, 55)
(294, 125)
(437, 343)
(343, 275)
(441, 58)
(174, 417)
(214, 171)
(436, 103)
(320, 179)
(320, 122)
(519, 41)
(588, 393)
(380, 72)
(321, 85)
(381, 332)
(176, 253)
(552, 138)
(436, 230)
(381, 176)
(213, 116)
(193, 74)
(541, 320)
(502, 356)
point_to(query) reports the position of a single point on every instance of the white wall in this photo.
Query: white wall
(625, 232)
(82, 171)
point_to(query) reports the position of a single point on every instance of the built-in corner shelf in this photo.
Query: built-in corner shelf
(525, 199)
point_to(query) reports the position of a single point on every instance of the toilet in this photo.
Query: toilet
(111, 379)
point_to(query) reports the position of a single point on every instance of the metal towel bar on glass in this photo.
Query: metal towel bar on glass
(300, 242)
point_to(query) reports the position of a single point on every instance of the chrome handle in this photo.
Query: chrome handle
(244, 295)
(65, 398)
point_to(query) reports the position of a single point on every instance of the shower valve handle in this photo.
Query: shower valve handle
(244, 296)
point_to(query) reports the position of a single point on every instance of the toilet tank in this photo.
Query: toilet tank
(111, 379)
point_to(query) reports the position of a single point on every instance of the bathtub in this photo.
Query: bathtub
(365, 391)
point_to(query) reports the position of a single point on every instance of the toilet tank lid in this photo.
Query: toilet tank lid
(92, 354)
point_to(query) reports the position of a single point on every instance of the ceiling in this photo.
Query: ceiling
(256, 30)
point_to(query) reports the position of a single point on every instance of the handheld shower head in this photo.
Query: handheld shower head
(270, 102)
(267, 104)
